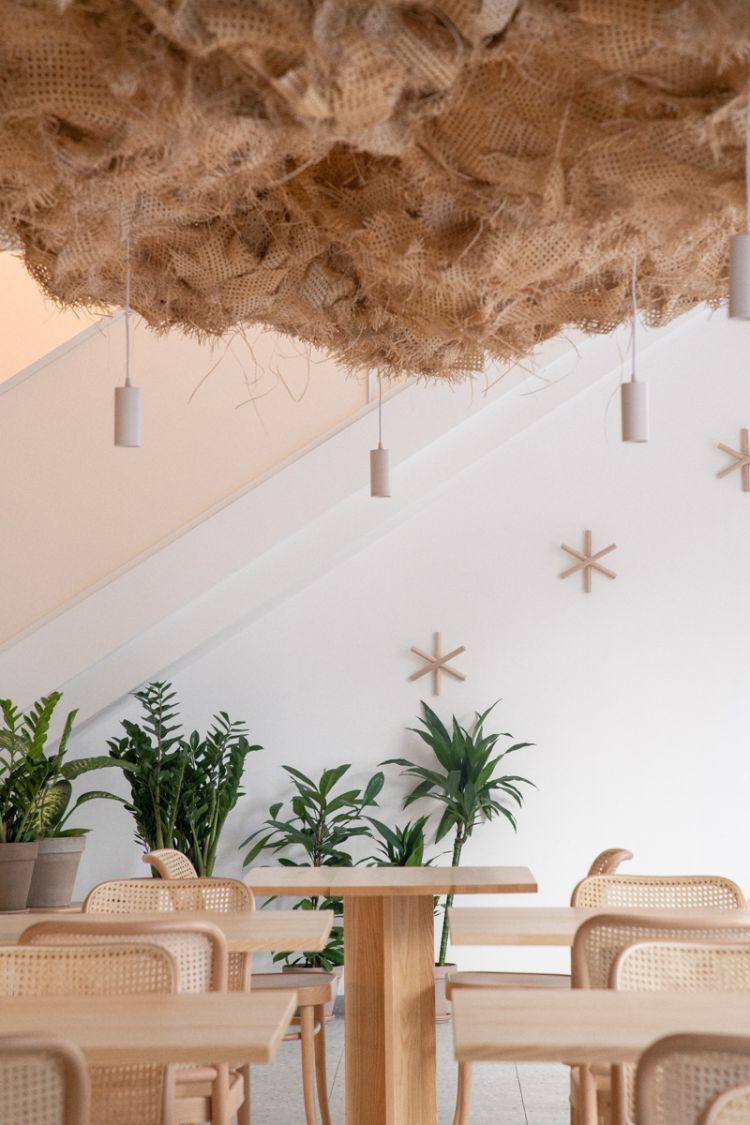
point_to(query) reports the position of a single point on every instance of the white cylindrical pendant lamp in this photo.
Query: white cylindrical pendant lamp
(380, 472)
(128, 415)
(739, 276)
(634, 409)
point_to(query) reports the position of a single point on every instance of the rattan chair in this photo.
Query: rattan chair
(314, 990)
(655, 892)
(680, 1079)
(170, 864)
(199, 952)
(43, 1081)
(607, 861)
(120, 1095)
(674, 967)
(732, 1107)
(597, 944)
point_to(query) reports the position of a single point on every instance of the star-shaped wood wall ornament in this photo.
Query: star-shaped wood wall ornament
(741, 460)
(437, 663)
(588, 561)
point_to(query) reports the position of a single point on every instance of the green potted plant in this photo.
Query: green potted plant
(400, 846)
(35, 796)
(465, 785)
(182, 788)
(322, 823)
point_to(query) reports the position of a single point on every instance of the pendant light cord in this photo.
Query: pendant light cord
(380, 411)
(127, 313)
(635, 317)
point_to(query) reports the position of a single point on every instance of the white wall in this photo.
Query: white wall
(636, 695)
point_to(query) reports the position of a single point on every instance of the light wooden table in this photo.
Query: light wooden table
(257, 931)
(584, 1025)
(213, 1027)
(551, 925)
(389, 955)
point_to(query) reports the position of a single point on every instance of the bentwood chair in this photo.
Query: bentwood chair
(199, 952)
(314, 990)
(597, 944)
(43, 1082)
(604, 863)
(656, 892)
(675, 967)
(692, 1080)
(120, 1095)
(170, 864)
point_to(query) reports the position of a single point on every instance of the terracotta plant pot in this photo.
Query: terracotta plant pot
(16, 868)
(442, 1003)
(55, 870)
(336, 973)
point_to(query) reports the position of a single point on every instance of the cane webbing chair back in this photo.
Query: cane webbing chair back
(120, 1095)
(43, 1081)
(222, 896)
(679, 1078)
(170, 864)
(730, 1108)
(600, 939)
(655, 892)
(673, 967)
(125, 896)
(198, 949)
(609, 860)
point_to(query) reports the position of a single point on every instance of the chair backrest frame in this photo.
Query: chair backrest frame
(647, 892)
(76, 1092)
(730, 1053)
(608, 861)
(170, 864)
(127, 896)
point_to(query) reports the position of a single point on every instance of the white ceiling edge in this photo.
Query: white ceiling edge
(280, 534)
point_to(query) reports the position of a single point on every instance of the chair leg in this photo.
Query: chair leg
(320, 1066)
(307, 1045)
(243, 1113)
(463, 1094)
(219, 1096)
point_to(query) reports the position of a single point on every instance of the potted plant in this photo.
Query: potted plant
(322, 823)
(35, 795)
(182, 789)
(402, 845)
(468, 790)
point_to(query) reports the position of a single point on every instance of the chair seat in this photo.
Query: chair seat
(506, 980)
(311, 988)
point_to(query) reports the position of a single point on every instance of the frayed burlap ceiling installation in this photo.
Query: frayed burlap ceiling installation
(411, 186)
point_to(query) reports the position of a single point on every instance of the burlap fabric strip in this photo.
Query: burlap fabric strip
(413, 187)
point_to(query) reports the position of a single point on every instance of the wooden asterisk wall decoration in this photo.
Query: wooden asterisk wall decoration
(588, 561)
(741, 460)
(437, 663)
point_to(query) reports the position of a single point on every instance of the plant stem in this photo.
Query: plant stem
(458, 845)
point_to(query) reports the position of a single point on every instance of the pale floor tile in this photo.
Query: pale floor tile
(530, 1094)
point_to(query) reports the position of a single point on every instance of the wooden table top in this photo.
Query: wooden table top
(247, 931)
(584, 1025)
(550, 925)
(388, 881)
(231, 1027)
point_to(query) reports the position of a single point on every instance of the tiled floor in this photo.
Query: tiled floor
(529, 1094)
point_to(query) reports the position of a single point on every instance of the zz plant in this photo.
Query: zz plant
(464, 782)
(182, 788)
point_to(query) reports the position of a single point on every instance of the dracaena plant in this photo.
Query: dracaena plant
(465, 782)
(36, 787)
(400, 846)
(324, 820)
(182, 789)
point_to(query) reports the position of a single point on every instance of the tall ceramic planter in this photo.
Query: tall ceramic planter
(442, 1003)
(55, 871)
(16, 868)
